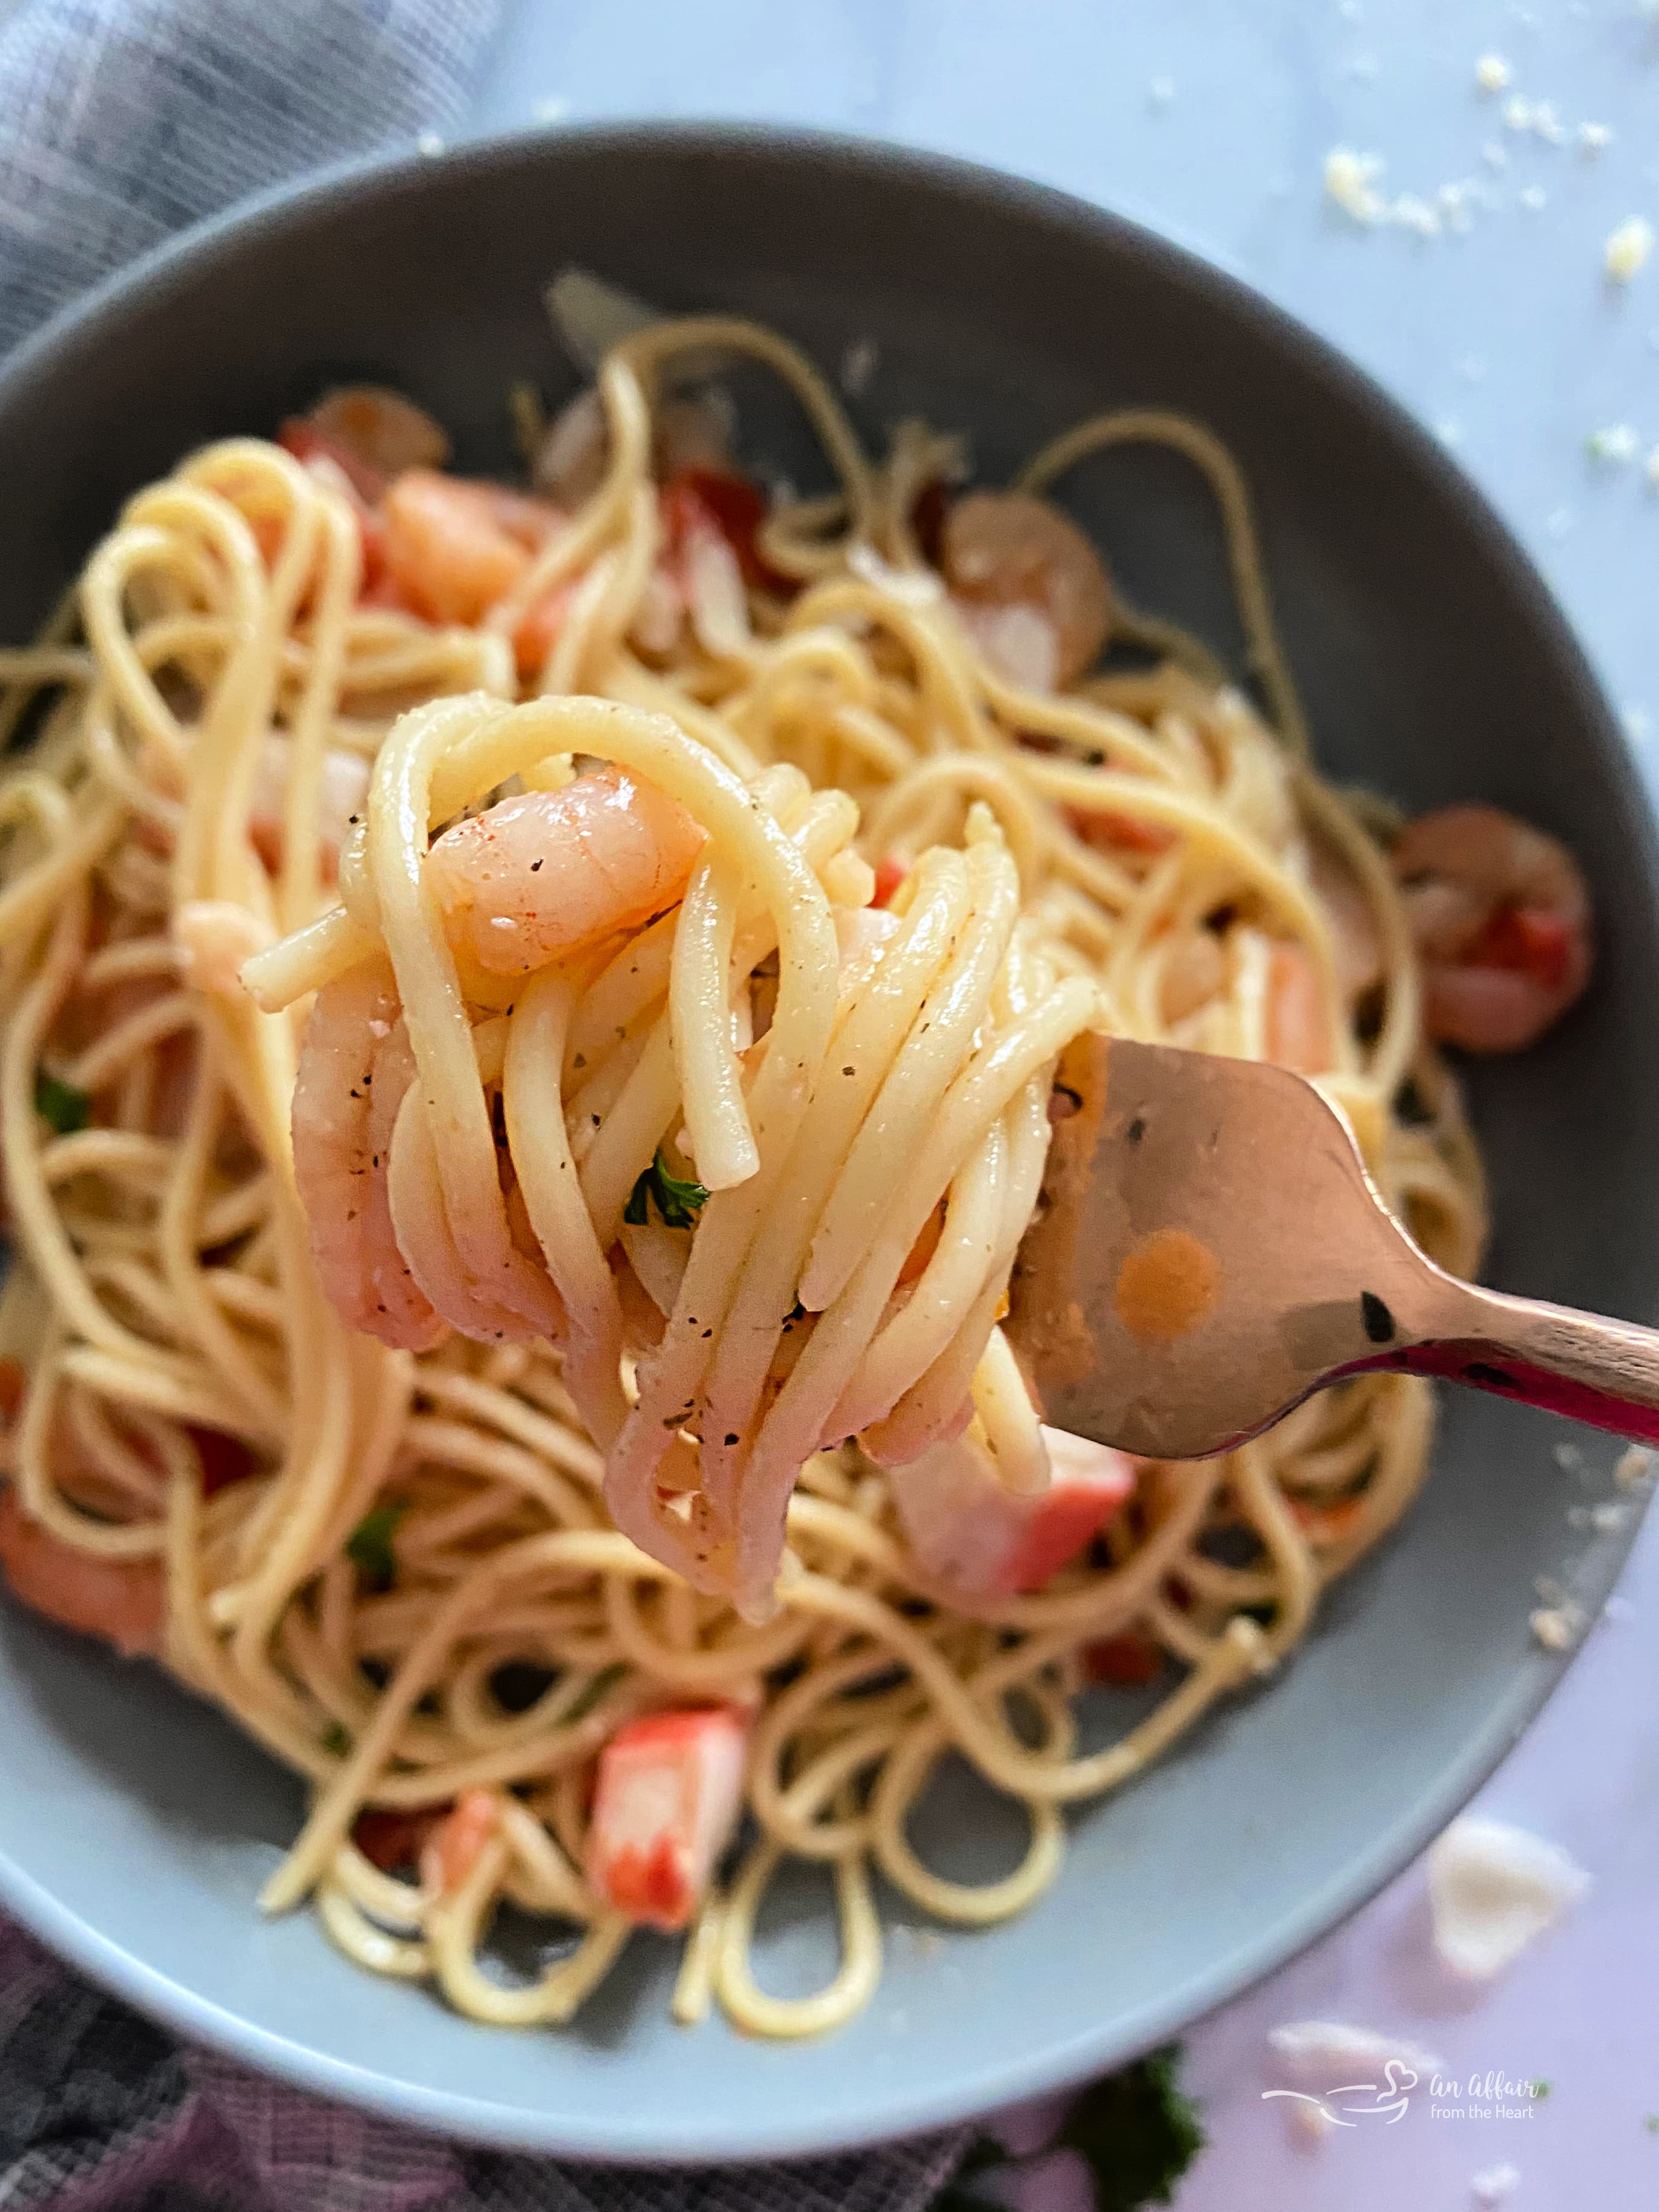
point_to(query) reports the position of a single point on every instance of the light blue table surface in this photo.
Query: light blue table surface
(1210, 120)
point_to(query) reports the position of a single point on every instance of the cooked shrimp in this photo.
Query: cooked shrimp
(380, 428)
(123, 1600)
(343, 790)
(1298, 1031)
(354, 1066)
(452, 1850)
(1502, 920)
(548, 871)
(1028, 585)
(454, 548)
(213, 938)
(1357, 943)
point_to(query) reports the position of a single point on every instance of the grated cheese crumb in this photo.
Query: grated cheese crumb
(1517, 111)
(1595, 138)
(1634, 1465)
(1616, 445)
(1628, 248)
(1534, 197)
(1162, 91)
(1494, 154)
(550, 110)
(1554, 1627)
(1493, 73)
(1567, 1456)
(1414, 213)
(1493, 2184)
(1545, 124)
(1493, 1891)
(430, 144)
(1609, 1517)
(1351, 182)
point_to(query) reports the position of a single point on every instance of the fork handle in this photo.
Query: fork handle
(1602, 1372)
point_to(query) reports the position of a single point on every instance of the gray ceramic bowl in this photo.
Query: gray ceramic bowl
(136, 1827)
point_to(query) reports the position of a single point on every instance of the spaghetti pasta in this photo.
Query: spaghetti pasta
(554, 1369)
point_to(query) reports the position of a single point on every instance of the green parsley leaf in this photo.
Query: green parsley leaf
(1136, 2130)
(1540, 2091)
(677, 1203)
(62, 1108)
(602, 1683)
(336, 1739)
(369, 1545)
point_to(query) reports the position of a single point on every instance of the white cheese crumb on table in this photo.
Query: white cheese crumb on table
(1616, 445)
(1320, 2054)
(550, 110)
(1161, 91)
(1493, 1889)
(1414, 213)
(1493, 73)
(1493, 2184)
(430, 144)
(1627, 248)
(1553, 1626)
(1351, 183)
(1534, 197)
(1595, 138)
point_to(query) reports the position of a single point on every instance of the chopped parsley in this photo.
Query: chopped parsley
(62, 1108)
(369, 1545)
(679, 1203)
(336, 1739)
(1136, 2132)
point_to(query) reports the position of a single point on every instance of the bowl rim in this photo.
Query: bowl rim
(890, 2115)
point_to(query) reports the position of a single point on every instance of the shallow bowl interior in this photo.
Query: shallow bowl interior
(136, 1827)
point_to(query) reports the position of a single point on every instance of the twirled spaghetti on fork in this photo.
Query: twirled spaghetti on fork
(530, 1028)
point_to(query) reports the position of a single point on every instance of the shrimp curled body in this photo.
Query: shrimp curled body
(1027, 585)
(1501, 918)
(123, 1600)
(534, 878)
(545, 873)
(355, 1066)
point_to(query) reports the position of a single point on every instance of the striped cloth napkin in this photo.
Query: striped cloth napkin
(121, 121)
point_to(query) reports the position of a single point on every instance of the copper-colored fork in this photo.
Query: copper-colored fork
(1209, 1249)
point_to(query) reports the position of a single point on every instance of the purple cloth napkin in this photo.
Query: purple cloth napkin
(120, 121)
(100, 2111)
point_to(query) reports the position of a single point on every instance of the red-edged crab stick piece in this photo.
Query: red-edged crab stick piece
(669, 1792)
(977, 1541)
